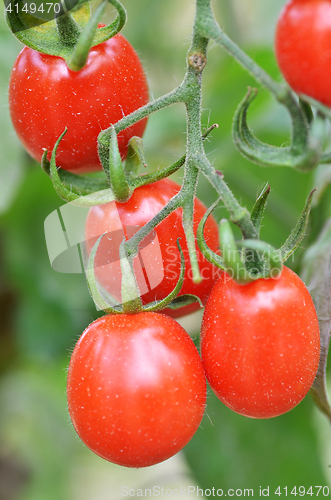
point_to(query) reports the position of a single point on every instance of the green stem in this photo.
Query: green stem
(85, 40)
(189, 92)
(132, 245)
(238, 215)
(209, 28)
(175, 96)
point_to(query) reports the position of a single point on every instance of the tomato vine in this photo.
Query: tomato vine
(252, 263)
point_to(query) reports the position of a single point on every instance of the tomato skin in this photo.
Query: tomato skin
(136, 388)
(144, 204)
(260, 344)
(45, 97)
(303, 47)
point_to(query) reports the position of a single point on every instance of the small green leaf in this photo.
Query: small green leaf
(130, 292)
(272, 257)
(208, 254)
(135, 157)
(184, 300)
(115, 172)
(61, 189)
(249, 146)
(306, 108)
(298, 233)
(259, 207)
(305, 151)
(161, 304)
(143, 180)
(93, 286)
(73, 188)
(234, 265)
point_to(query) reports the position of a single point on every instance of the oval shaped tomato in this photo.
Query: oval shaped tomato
(303, 47)
(45, 97)
(136, 388)
(260, 344)
(157, 266)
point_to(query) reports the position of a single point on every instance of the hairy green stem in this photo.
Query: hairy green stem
(189, 92)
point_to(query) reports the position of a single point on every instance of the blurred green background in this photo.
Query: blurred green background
(43, 313)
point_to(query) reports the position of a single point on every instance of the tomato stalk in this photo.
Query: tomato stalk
(188, 92)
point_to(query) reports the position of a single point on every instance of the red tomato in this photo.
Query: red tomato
(303, 47)
(45, 97)
(136, 388)
(260, 344)
(157, 265)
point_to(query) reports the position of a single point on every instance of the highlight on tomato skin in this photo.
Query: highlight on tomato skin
(260, 344)
(303, 47)
(45, 97)
(157, 267)
(136, 388)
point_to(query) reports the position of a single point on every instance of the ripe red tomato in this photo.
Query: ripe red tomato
(303, 47)
(45, 97)
(260, 344)
(136, 388)
(157, 265)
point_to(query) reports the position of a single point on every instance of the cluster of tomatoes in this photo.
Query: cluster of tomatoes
(136, 382)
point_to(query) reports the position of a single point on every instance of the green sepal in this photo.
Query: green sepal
(60, 188)
(135, 157)
(249, 145)
(183, 301)
(233, 262)
(73, 188)
(259, 207)
(323, 111)
(208, 254)
(306, 108)
(115, 172)
(70, 35)
(159, 305)
(272, 258)
(79, 184)
(143, 180)
(267, 260)
(45, 37)
(298, 232)
(93, 286)
(303, 154)
(130, 293)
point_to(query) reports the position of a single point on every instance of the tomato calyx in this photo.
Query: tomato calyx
(121, 178)
(257, 259)
(131, 301)
(69, 32)
(307, 141)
